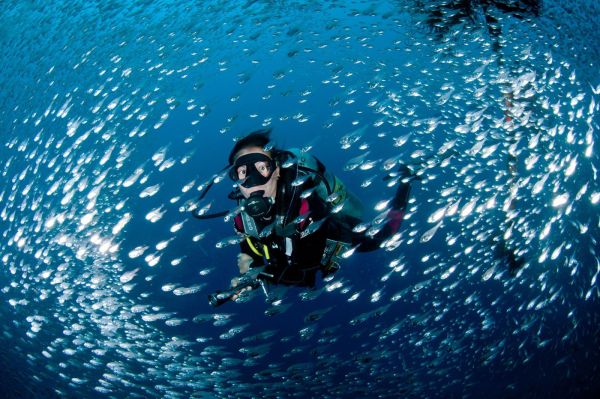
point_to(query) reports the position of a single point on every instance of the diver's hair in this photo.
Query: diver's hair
(259, 138)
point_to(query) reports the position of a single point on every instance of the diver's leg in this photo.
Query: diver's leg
(400, 200)
(395, 216)
(406, 176)
(365, 243)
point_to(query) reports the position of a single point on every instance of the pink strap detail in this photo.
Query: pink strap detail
(239, 224)
(303, 210)
(395, 219)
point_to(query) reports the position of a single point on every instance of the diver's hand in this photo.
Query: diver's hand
(244, 263)
(234, 283)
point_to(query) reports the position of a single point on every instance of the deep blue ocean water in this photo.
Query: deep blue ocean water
(81, 78)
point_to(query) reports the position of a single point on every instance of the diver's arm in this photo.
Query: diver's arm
(246, 260)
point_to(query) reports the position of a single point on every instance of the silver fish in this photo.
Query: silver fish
(430, 233)
(301, 180)
(314, 226)
(356, 162)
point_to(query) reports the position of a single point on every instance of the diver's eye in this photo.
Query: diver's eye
(242, 172)
(263, 169)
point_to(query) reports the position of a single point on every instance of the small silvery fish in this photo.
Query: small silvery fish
(269, 146)
(430, 233)
(339, 207)
(128, 276)
(289, 163)
(220, 177)
(230, 241)
(307, 147)
(307, 193)
(355, 162)
(368, 181)
(314, 226)
(301, 180)
(333, 197)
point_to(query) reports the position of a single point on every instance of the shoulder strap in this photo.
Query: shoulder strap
(249, 225)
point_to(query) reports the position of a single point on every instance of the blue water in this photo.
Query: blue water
(82, 77)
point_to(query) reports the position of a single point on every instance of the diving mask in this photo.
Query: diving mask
(252, 170)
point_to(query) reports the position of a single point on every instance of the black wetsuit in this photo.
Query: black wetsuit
(299, 264)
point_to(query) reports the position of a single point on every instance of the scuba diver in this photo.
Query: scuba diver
(296, 218)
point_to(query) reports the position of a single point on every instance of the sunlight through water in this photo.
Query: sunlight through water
(116, 115)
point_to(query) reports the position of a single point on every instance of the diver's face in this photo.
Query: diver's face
(270, 187)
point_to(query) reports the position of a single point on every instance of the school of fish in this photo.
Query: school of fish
(105, 273)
